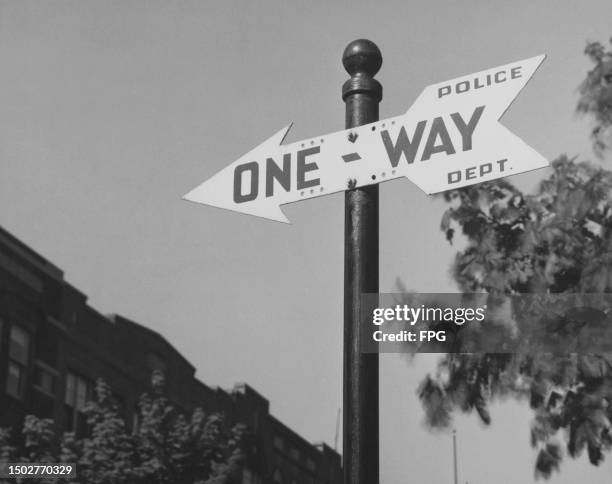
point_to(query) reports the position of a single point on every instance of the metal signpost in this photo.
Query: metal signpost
(361, 93)
(449, 138)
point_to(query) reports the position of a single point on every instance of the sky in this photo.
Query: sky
(110, 111)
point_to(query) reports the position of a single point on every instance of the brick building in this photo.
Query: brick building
(53, 346)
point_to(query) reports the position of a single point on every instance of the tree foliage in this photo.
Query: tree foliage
(596, 95)
(557, 240)
(167, 447)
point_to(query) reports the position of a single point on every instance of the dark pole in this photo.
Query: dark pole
(362, 94)
(455, 454)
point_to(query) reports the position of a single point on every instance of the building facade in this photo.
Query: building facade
(53, 346)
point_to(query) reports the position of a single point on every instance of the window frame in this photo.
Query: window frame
(20, 362)
(277, 476)
(74, 406)
(44, 368)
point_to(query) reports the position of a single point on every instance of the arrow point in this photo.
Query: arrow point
(537, 61)
(277, 215)
(270, 144)
(277, 138)
(207, 194)
(268, 210)
(216, 191)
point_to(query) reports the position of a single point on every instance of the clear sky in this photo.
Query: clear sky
(110, 111)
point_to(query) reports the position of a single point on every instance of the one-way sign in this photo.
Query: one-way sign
(449, 138)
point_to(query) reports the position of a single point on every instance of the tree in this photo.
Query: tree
(596, 95)
(166, 448)
(556, 241)
(171, 448)
(36, 443)
(106, 454)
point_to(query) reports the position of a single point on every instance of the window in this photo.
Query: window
(45, 379)
(249, 477)
(135, 422)
(14, 380)
(277, 441)
(277, 477)
(295, 454)
(310, 465)
(19, 352)
(155, 362)
(19, 345)
(78, 391)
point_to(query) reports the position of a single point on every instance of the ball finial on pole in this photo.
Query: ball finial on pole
(362, 56)
(362, 60)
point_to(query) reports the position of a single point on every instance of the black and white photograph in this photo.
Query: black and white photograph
(324, 242)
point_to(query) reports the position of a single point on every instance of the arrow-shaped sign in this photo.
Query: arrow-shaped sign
(449, 138)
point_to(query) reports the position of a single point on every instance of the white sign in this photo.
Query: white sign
(449, 138)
